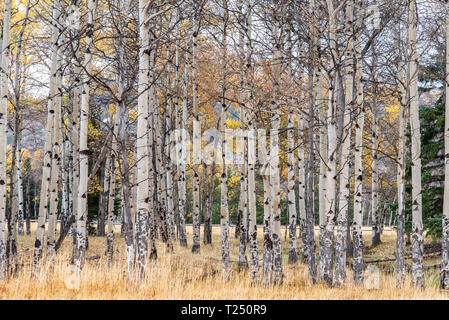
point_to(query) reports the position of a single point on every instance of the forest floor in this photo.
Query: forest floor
(178, 275)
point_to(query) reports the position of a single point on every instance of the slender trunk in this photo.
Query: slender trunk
(275, 159)
(375, 175)
(142, 140)
(46, 168)
(293, 243)
(343, 205)
(81, 215)
(224, 212)
(196, 144)
(252, 144)
(444, 273)
(103, 201)
(358, 165)
(4, 130)
(182, 157)
(55, 164)
(28, 207)
(313, 76)
(417, 224)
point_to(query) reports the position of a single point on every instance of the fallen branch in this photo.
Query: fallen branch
(430, 255)
(64, 232)
(202, 277)
(93, 257)
(435, 266)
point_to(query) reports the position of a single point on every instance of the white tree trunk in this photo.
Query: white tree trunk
(46, 168)
(345, 168)
(358, 170)
(274, 159)
(4, 129)
(81, 218)
(417, 224)
(224, 212)
(444, 273)
(142, 140)
(330, 197)
(196, 143)
(182, 153)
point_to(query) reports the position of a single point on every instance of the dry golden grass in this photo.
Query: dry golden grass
(166, 277)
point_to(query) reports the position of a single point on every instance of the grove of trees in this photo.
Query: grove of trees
(254, 114)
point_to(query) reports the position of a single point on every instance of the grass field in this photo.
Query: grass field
(166, 277)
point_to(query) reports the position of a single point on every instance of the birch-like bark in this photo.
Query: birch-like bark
(46, 168)
(358, 165)
(328, 235)
(55, 161)
(417, 224)
(302, 179)
(243, 207)
(444, 272)
(20, 211)
(81, 215)
(274, 158)
(152, 174)
(182, 151)
(313, 76)
(292, 241)
(265, 172)
(321, 105)
(18, 114)
(142, 140)
(76, 93)
(302, 188)
(375, 174)
(343, 205)
(112, 184)
(168, 159)
(196, 142)
(224, 212)
(252, 145)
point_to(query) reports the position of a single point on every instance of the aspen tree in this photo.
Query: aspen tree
(7, 4)
(182, 157)
(326, 255)
(81, 218)
(417, 225)
(18, 116)
(265, 171)
(196, 136)
(168, 153)
(358, 166)
(112, 182)
(302, 187)
(293, 243)
(374, 167)
(358, 171)
(322, 180)
(343, 205)
(252, 144)
(302, 175)
(274, 155)
(55, 161)
(152, 202)
(46, 168)
(243, 208)
(444, 272)
(142, 140)
(313, 88)
(224, 212)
